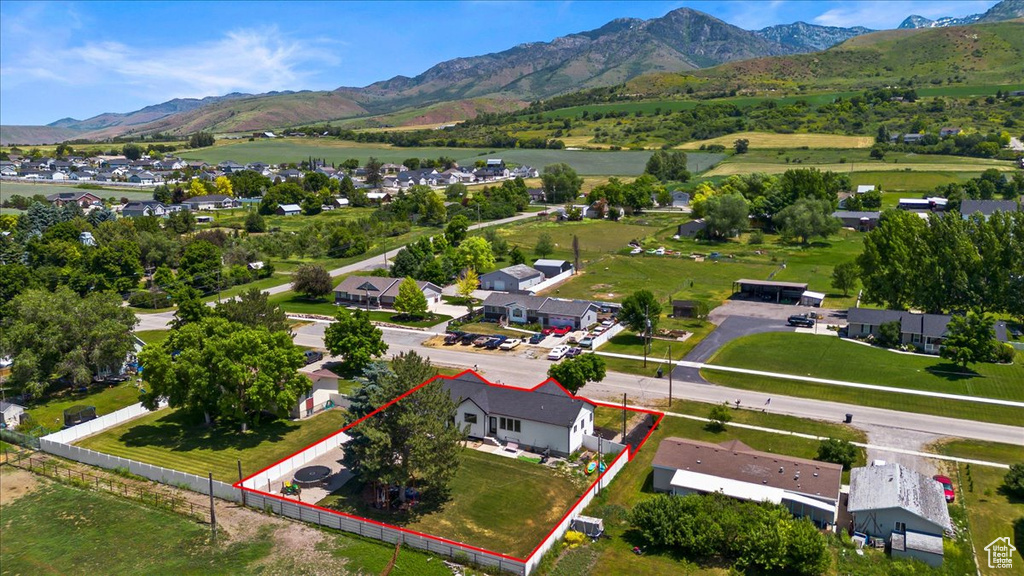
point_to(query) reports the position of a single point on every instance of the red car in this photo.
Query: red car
(947, 487)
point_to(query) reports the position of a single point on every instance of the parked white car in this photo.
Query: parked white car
(636, 250)
(660, 251)
(558, 352)
(510, 344)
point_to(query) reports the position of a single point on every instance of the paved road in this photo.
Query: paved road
(520, 370)
(160, 321)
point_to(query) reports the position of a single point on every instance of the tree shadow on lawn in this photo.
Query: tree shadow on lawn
(355, 497)
(183, 432)
(952, 372)
(1018, 533)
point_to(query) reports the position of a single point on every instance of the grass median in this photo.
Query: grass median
(964, 410)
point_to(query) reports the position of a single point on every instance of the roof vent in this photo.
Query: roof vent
(815, 474)
(764, 481)
(781, 469)
(698, 461)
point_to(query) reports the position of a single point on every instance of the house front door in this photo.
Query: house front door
(493, 427)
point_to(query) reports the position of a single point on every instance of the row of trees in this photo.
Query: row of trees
(946, 263)
(750, 536)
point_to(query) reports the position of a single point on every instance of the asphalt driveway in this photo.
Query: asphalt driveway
(731, 328)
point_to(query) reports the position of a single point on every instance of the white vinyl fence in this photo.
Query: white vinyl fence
(548, 283)
(74, 433)
(605, 446)
(563, 526)
(263, 478)
(607, 335)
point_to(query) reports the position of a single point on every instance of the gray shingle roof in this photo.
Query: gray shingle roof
(856, 214)
(987, 207)
(519, 271)
(893, 486)
(575, 308)
(548, 403)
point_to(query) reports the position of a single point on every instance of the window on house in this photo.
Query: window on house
(574, 427)
(901, 527)
(468, 417)
(510, 424)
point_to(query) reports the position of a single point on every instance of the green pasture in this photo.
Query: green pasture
(29, 189)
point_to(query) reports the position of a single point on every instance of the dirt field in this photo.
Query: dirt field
(731, 168)
(15, 483)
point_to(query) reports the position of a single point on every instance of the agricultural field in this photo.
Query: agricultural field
(479, 512)
(625, 163)
(235, 218)
(172, 439)
(776, 141)
(28, 189)
(852, 161)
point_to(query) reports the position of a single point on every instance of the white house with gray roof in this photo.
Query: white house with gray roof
(543, 418)
(923, 331)
(515, 278)
(527, 309)
(901, 506)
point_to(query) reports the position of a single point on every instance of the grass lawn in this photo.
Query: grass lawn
(275, 279)
(891, 401)
(501, 504)
(172, 439)
(979, 450)
(50, 413)
(627, 342)
(153, 336)
(634, 483)
(838, 359)
(58, 529)
(29, 189)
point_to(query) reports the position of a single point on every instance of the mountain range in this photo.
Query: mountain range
(621, 50)
(1006, 10)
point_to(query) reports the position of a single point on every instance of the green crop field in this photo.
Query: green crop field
(28, 189)
(479, 512)
(916, 181)
(837, 359)
(171, 439)
(625, 163)
(651, 106)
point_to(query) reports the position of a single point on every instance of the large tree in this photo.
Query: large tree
(352, 336)
(456, 230)
(969, 339)
(561, 183)
(844, 276)
(640, 312)
(544, 246)
(725, 214)
(200, 265)
(373, 175)
(312, 281)
(890, 261)
(60, 334)
(475, 253)
(574, 373)
(253, 308)
(807, 218)
(414, 441)
(410, 299)
(225, 370)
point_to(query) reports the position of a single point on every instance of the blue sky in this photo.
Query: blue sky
(80, 59)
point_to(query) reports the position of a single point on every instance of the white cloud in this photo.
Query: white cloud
(881, 14)
(245, 60)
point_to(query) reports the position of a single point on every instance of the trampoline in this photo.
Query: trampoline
(311, 476)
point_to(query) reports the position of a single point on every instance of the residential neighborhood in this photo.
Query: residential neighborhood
(540, 289)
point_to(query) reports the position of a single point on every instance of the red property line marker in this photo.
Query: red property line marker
(629, 452)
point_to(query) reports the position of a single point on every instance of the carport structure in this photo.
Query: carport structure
(770, 289)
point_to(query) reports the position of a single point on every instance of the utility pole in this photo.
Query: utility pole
(647, 330)
(623, 417)
(213, 513)
(240, 479)
(671, 365)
